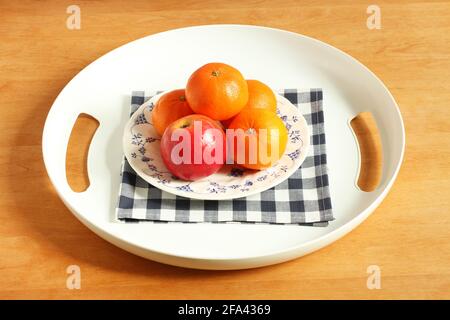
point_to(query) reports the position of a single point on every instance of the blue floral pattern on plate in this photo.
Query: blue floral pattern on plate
(141, 146)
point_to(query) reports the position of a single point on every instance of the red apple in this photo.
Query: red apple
(193, 147)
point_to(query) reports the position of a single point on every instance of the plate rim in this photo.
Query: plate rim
(219, 196)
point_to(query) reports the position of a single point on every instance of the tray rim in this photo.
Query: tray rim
(276, 256)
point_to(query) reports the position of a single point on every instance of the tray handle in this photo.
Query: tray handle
(83, 131)
(56, 135)
(370, 150)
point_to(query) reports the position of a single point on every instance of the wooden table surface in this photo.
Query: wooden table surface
(408, 236)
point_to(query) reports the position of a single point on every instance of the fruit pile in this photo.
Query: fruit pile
(219, 118)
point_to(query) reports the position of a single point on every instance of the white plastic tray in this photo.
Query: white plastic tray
(281, 59)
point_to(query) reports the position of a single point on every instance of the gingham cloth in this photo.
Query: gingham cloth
(303, 198)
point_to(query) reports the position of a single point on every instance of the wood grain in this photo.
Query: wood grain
(408, 235)
(77, 152)
(370, 148)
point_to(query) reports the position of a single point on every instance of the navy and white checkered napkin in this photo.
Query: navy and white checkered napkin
(303, 198)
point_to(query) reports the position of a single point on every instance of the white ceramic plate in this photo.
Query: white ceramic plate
(286, 60)
(141, 146)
